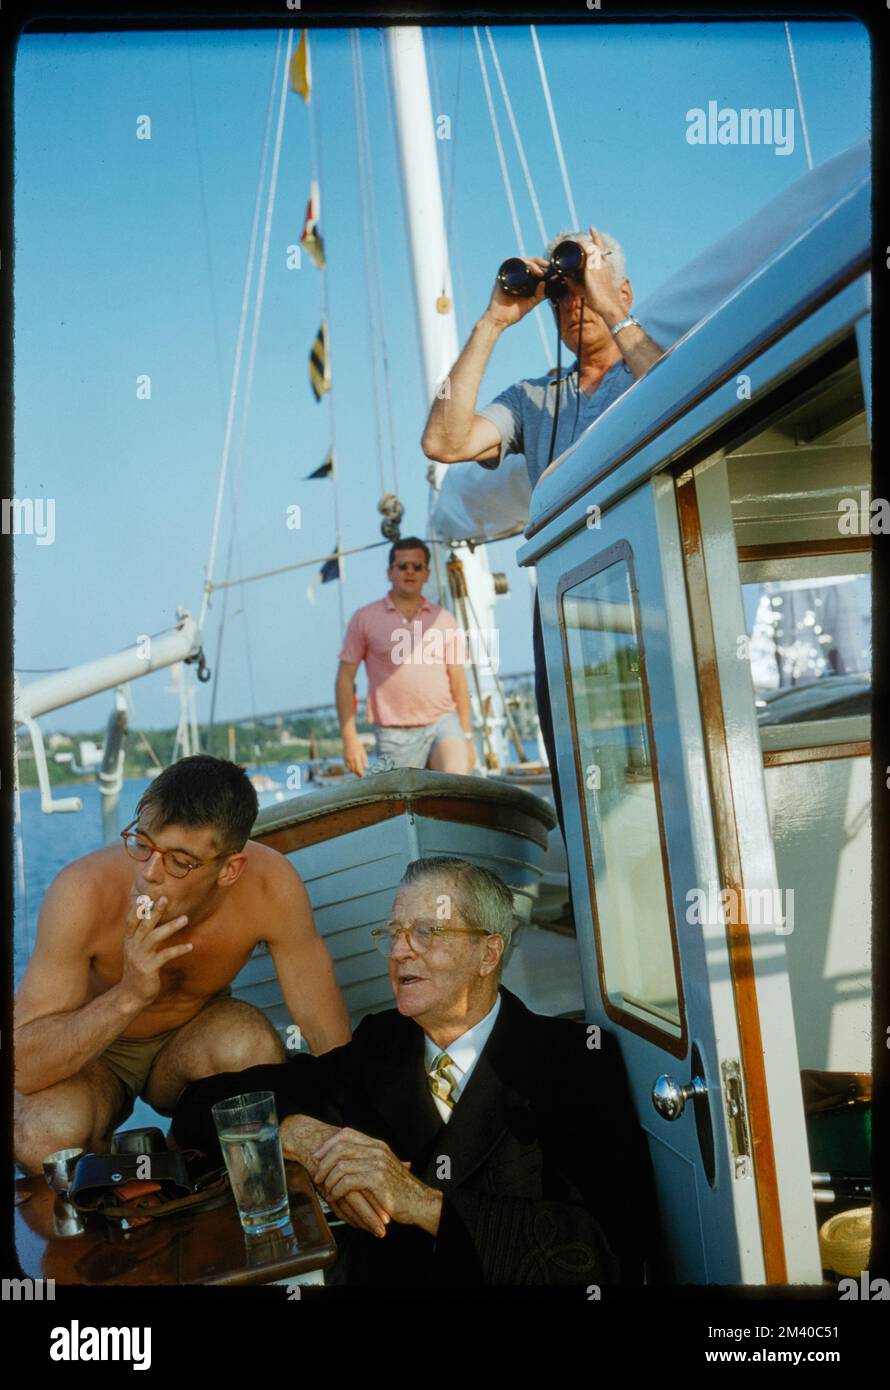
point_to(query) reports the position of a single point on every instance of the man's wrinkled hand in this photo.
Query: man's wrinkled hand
(301, 1135)
(350, 1162)
(506, 309)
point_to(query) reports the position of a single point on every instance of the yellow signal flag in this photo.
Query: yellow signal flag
(301, 68)
(320, 363)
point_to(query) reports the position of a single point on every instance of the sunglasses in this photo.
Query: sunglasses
(410, 565)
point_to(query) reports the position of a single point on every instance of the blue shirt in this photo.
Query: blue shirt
(523, 414)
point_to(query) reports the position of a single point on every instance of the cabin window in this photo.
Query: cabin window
(809, 627)
(803, 519)
(618, 791)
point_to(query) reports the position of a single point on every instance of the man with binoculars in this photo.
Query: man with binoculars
(591, 298)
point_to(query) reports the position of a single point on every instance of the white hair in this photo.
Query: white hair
(616, 257)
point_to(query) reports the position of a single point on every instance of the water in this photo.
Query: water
(256, 1169)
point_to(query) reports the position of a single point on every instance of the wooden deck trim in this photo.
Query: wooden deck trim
(344, 820)
(730, 867)
(790, 550)
(816, 753)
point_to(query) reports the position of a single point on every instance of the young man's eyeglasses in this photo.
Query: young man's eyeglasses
(410, 565)
(420, 935)
(141, 848)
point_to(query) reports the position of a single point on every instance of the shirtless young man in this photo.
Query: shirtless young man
(126, 992)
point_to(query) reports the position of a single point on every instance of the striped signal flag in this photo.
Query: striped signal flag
(301, 68)
(320, 363)
(310, 237)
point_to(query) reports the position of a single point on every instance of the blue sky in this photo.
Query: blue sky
(130, 259)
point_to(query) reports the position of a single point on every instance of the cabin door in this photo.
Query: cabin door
(658, 935)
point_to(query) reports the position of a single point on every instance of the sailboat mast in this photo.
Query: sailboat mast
(434, 306)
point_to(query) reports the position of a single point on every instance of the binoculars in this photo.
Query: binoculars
(566, 263)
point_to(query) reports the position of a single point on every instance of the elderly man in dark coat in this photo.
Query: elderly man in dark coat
(463, 1138)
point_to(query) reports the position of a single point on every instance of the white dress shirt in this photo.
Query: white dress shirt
(464, 1052)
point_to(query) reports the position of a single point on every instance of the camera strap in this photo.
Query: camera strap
(558, 384)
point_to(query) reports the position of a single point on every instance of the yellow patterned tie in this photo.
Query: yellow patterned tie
(440, 1083)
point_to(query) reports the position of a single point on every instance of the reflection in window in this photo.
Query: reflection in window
(618, 792)
(810, 647)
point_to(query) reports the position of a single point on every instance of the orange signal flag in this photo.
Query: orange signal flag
(301, 68)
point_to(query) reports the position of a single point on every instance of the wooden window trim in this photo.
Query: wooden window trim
(621, 550)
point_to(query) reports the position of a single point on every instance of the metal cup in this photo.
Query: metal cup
(58, 1169)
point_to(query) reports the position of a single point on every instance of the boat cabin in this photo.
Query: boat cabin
(706, 615)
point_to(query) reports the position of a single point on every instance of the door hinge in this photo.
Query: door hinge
(734, 1100)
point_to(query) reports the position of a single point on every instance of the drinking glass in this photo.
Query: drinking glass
(247, 1126)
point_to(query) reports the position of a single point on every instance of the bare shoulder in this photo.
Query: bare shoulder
(271, 873)
(101, 877)
(275, 893)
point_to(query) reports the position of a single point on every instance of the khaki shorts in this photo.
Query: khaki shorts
(131, 1059)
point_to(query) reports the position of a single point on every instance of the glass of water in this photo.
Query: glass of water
(248, 1135)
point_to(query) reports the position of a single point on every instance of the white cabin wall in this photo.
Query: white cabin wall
(819, 813)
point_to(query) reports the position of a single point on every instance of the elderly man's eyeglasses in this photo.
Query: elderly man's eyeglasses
(410, 565)
(141, 848)
(420, 935)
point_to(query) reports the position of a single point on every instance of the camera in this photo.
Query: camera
(566, 264)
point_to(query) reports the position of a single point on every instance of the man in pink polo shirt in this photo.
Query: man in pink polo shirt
(418, 699)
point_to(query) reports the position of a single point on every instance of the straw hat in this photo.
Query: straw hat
(845, 1240)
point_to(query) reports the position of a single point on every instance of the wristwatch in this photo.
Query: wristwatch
(625, 323)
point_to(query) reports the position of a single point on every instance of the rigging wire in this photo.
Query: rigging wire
(140, 733)
(799, 94)
(529, 182)
(251, 363)
(366, 251)
(471, 542)
(259, 302)
(315, 147)
(376, 259)
(242, 326)
(208, 248)
(505, 176)
(554, 127)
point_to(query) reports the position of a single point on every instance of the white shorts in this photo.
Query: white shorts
(410, 746)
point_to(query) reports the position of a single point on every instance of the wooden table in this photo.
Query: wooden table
(202, 1247)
